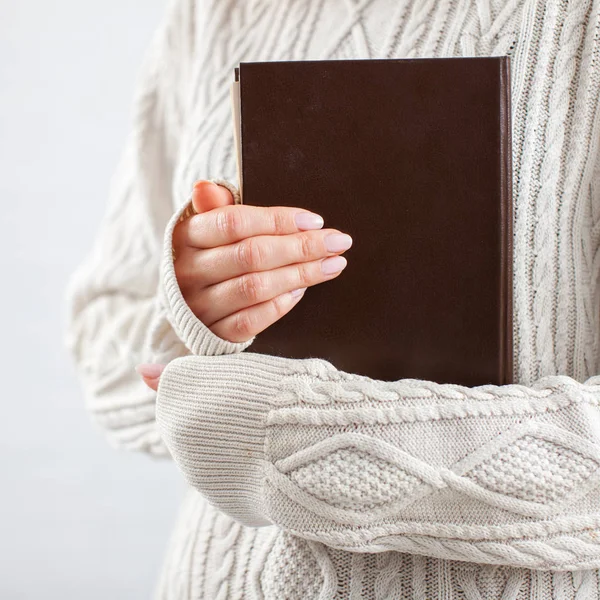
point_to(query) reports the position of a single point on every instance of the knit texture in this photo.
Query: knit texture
(367, 466)
(307, 482)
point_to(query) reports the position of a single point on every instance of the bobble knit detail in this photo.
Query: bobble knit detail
(535, 469)
(310, 483)
(353, 479)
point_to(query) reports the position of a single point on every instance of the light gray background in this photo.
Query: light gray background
(78, 520)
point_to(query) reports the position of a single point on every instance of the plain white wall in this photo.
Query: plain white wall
(77, 518)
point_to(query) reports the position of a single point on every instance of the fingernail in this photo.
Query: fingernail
(333, 264)
(308, 220)
(337, 242)
(150, 370)
(297, 292)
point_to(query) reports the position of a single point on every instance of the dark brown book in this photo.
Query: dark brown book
(412, 158)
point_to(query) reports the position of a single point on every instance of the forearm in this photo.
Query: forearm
(112, 298)
(123, 306)
(106, 341)
(501, 475)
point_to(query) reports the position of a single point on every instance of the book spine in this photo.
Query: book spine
(506, 291)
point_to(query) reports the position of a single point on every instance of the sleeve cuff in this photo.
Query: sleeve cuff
(197, 337)
(211, 413)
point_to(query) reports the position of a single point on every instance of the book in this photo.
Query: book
(412, 158)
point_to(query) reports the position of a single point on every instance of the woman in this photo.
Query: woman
(307, 482)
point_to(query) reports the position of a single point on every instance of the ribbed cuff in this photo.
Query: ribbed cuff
(232, 188)
(193, 332)
(211, 412)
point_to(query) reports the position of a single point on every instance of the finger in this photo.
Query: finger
(151, 383)
(229, 224)
(223, 299)
(197, 269)
(244, 324)
(150, 373)
(150, 370)
(208, 195)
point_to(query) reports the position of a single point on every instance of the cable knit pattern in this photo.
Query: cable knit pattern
(373, 484)
(307, 481)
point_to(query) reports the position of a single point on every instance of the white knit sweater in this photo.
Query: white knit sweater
(308, 482)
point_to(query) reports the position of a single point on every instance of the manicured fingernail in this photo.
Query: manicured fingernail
(150, 370)
(337, 242)
(298, 292)
(333, 264)
(308, 220)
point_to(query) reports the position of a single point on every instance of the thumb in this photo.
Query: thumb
(208, 195)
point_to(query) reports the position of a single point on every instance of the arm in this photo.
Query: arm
(501, 475)
(117, 312)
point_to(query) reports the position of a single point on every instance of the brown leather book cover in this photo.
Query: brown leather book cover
(412, 158)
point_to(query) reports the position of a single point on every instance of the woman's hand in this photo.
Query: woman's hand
(240, 268)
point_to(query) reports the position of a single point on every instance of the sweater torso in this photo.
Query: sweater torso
(555, 90)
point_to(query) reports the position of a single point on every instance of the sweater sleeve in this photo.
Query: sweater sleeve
(503, 475)
(123, 305)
